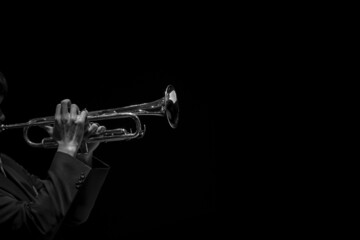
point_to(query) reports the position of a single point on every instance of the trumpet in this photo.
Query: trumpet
(166, 106)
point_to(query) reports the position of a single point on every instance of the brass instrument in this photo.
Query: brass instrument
(167, 106)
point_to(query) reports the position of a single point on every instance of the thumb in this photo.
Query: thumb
(48, 129)
(93, 146)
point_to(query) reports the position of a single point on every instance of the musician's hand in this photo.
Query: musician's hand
(93, 129)
(68, 128)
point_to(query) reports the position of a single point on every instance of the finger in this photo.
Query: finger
(48, 129)
(101, 130)
(82, 117)
(58, 113)
(74, 111)
(65, 105)
(80, 126)
(93, 127)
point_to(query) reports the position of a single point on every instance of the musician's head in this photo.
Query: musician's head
(3, 92)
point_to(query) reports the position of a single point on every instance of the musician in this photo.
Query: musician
(34, 208)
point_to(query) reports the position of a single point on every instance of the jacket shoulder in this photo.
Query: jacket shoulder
(10, 162)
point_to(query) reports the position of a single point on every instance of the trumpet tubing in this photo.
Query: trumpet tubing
(167, 106)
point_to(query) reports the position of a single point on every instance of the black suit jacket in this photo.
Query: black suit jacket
(32, 208)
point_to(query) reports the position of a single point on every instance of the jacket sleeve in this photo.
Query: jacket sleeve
(88, 193)
(43, 216)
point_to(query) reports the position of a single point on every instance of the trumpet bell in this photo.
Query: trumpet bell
(171, 106)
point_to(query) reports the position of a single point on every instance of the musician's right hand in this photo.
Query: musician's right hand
(69, 127)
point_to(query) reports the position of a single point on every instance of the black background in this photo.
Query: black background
(161, 185)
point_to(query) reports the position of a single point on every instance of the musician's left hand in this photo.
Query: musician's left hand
(93, 129)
